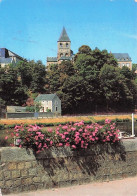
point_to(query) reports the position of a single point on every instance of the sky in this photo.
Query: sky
(31, 28)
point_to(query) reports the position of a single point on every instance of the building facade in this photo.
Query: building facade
(49, 102)
(64, 51)
(7, 57)
(123, 59)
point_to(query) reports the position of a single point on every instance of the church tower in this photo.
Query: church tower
(64, 45)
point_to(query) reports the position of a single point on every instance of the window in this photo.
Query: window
(56, 108)
(61, 44)
(61, 54)
(66, 54)
(66, 44)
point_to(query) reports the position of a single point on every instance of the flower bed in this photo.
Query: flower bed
(74, 135)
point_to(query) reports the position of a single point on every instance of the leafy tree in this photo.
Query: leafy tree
(12, 92)
(32, 75)
(84, 50)
(134, 67)
(116, 92)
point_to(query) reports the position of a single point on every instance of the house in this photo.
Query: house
(123, 59)
(8, 57)
(64, 50)
(49, 103)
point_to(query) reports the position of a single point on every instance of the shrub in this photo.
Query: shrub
(76, 135)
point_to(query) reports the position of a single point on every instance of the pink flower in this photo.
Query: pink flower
(67, 144)
(6, 137)
(63, 136)
(65, 127)
(107, 121)
(73, 146)
(39, 133)
(50, 130)
(17, 134)
(60, 144)
(36, 138)
(80, 130)
(65, 133)
(45, 145)
(39, 146)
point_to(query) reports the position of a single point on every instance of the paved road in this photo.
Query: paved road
(125, 187)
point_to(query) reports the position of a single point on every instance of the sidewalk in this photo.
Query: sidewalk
(125, 187)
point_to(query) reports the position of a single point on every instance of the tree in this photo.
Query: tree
(116, 92)
(84, 50)
(12, 92)
(32, 75)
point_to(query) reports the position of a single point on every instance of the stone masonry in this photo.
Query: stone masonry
(22, 170)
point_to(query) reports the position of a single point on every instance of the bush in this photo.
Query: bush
(76, 136)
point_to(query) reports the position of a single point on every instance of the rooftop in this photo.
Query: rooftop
(64, 37)
(51, 59)
(45, 97)
(122, 56)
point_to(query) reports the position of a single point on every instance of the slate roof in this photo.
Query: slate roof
(122, 56)
(5, 60)
(6, 56)
(51, 59)
(65, 58)
(45, 97)
(4, 52)
(64, 37)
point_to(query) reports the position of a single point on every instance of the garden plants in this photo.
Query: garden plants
(74, 135)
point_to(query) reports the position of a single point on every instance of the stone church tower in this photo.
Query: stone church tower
(64, 50)
(64, 45)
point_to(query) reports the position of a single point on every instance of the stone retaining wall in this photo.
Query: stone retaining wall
(22, 170)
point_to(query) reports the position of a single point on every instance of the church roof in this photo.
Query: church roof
(64, 37)
(122, 56)
(51, 59)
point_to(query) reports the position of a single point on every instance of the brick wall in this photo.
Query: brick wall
(22, 170)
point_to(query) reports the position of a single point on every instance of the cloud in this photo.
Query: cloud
(0, 1)
(130, 36)
(22, 40)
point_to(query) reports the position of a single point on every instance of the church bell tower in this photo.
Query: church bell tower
(64, 45)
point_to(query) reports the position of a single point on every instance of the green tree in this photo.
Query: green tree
(32, 75)
(12, 92)
(117, 93)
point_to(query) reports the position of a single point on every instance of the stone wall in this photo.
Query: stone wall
(22, 170)
(32, 115)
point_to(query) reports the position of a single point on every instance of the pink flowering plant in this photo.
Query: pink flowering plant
(75, 136)
(32, 137)
(80, 135)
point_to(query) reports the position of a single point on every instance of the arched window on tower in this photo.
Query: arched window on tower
(66, 54)
(61, 54)
(67, 45)
(61, 45)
